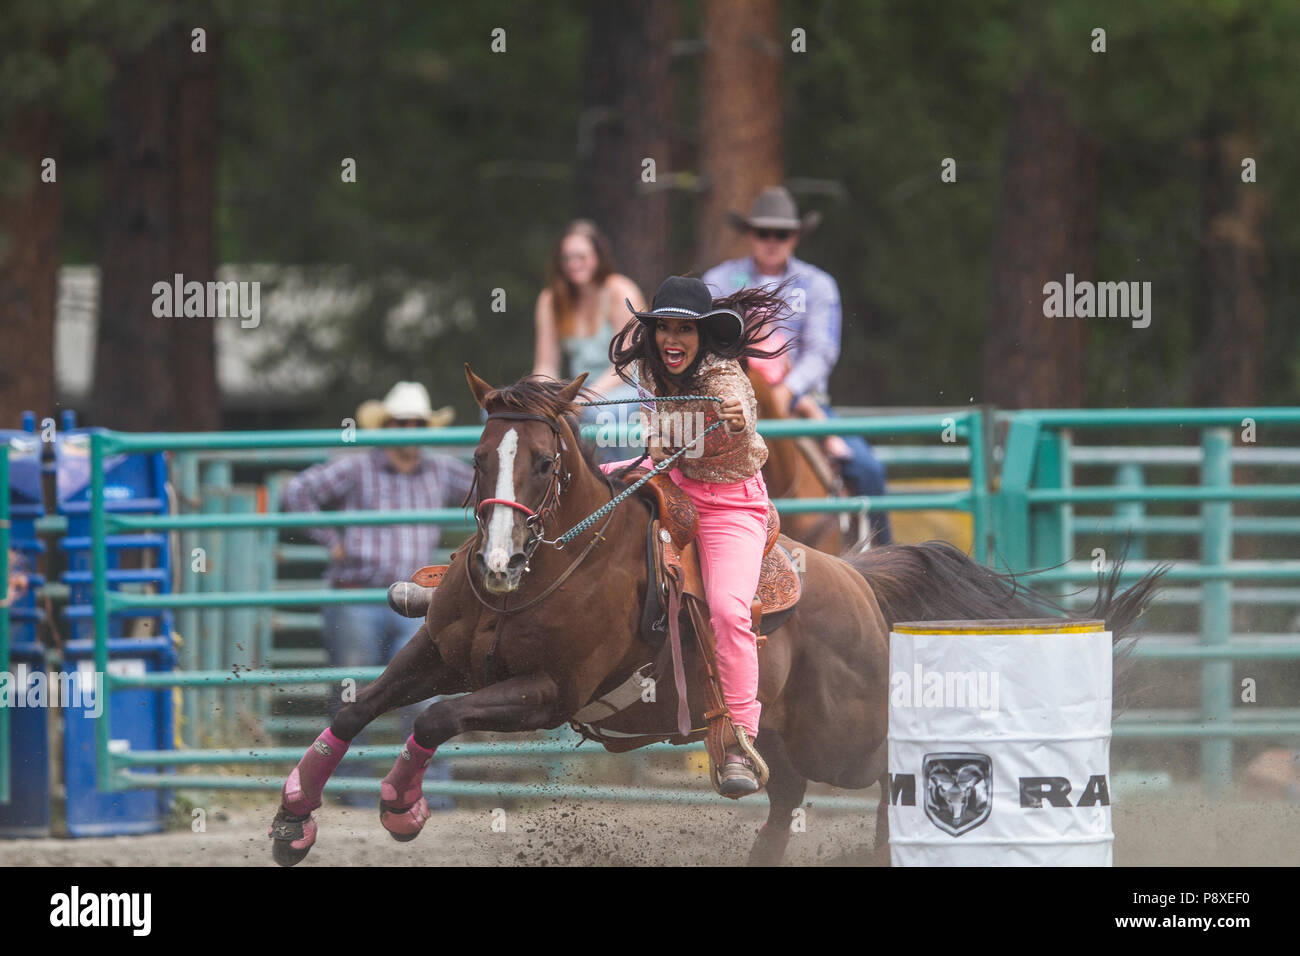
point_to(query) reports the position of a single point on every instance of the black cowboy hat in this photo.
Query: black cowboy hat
(681, 297)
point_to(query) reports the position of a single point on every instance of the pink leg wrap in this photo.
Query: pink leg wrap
(302, 791)
(308, 834)
(402, 788)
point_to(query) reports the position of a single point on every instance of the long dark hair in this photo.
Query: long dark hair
(763, 311)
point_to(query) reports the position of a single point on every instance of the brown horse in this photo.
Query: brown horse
(532, 633)
(797, 468)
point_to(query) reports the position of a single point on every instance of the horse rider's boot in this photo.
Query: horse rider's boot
(736, 776)
(402, 807)
(294, 826)
(410, 599)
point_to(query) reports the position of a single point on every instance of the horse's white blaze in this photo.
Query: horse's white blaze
(502, 522)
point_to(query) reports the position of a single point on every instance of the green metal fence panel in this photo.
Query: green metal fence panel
(1027, 521)
(1037, 487)
(1012, 534)
(185, 478)
(215, 480)
(222, 514)
(104, 779)
(1216, 609)
(1051, 529)
(239, 631)
(1131, 514)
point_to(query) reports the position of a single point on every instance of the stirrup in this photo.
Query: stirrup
(745, 747)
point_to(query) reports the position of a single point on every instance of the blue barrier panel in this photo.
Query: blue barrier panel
(26, 504)
(139, 642)
(140, 719)
(27, 814)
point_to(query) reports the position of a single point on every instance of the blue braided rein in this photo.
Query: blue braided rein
(614, 502)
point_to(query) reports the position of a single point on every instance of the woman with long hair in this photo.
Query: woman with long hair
(577, 314)
(579, 310)
(689, 344)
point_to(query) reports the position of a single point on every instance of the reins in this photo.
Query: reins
(599, 535)
(587, 522)
(559, 482)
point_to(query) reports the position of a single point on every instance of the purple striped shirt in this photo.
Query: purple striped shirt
(378, 555)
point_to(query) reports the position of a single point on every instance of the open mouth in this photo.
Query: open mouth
(674, 358)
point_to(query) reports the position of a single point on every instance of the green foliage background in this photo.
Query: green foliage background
(466, 166)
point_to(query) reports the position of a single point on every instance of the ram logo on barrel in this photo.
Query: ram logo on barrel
(958, 790)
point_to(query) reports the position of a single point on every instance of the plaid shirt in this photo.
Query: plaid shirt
(815, 321)
(378, 555)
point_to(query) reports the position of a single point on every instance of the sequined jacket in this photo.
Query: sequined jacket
(727, 457)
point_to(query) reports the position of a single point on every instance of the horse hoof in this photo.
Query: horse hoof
(404, 825)
(292, 837)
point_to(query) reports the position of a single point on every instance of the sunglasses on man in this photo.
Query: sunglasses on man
(404, 423)
(780, 235)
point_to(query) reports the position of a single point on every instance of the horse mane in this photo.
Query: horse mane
(540, 395)
(534, 395)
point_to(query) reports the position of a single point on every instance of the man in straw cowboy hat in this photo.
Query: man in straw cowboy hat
(774, 228)
(379, 479)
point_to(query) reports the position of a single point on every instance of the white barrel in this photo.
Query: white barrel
(999, 743)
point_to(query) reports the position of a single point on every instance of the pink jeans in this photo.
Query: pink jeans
(733, 530)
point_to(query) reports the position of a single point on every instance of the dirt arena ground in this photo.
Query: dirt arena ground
(1149, 832)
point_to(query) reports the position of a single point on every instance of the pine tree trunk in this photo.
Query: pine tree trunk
(627, 119)
(29, 270)
(1233, 314)
(1046, 227)
(198, 400)
(134, 387)
(741, 143)
(151, 372)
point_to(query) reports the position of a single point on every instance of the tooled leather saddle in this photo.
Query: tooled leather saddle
(670, 544)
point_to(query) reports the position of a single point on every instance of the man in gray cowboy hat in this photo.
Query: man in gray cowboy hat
(774, 228)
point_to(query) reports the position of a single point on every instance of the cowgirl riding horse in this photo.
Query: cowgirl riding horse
(687, 344)
(528, 634)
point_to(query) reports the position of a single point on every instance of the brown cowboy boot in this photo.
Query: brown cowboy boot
(737, 777)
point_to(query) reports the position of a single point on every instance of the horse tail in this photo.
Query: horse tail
(937, 582)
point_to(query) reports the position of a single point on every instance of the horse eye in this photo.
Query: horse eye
(542, 465)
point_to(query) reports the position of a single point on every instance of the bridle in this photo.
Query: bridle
(536, 519)
(559, 482)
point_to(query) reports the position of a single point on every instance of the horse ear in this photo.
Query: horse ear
(570, 391)
(477, 386)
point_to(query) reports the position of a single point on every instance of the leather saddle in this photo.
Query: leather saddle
(670, 544)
